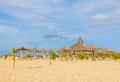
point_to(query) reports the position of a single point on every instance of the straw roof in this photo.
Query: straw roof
(45, 50)
(65, 49)
(22, 49)
(51, 50)
(93, 47)
(108, 50)
(36, 50)
(79, 46)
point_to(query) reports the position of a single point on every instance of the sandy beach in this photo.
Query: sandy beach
(60, 71)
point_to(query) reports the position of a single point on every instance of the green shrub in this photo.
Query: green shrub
(14, 55)
(52, 55)
(29, 56)
(5, 56)
(63, 55)
(87, 56)
(80, 56)
(115, 56)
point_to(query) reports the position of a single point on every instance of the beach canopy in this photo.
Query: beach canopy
(35, 50)
(93, 48)
(108, 50)
(45, 50)
(51, 50)
(65, 49)
(22, 49)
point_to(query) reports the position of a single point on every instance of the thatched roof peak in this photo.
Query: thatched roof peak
(80, 40)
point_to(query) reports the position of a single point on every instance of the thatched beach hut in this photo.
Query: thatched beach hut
(79, 46)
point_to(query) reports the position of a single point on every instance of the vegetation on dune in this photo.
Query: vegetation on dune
(29, 56)
(115, 56)
(6, 56)
(52, 56)
(14, 56)
(80, 56)
(87, 56)
(63, 56)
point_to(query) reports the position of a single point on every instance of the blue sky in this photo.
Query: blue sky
(54, 23)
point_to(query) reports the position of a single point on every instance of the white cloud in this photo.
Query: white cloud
(8, 30)
(28, 11)
(100, 17)
(102, 13)
(93, 6)
(56, 1)
(110, 20)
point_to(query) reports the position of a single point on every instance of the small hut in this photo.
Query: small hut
(79, 46)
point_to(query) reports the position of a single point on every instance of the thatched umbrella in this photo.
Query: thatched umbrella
(45, 50)
(93, 49)
(65, 49)
(36, 50)
(51, 50)
(107, 50)
(22, 49)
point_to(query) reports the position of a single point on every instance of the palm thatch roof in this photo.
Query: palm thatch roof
(22, 49)
(35, 50)
(79, 46)
(93, 47)
(65, 49)
(45, 50)
(51, 50)
(108, 50)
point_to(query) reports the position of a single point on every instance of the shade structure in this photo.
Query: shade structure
(36, 50)
(45, 50)
(51, 50)
(107, 50)
(65, 49)
(79, 46)
(22, 49)
(93, 48)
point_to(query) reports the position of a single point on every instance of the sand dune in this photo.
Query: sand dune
(59, 71)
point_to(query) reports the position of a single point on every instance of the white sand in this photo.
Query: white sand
(59, 71)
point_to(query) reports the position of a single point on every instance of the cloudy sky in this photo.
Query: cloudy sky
(54, 23)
